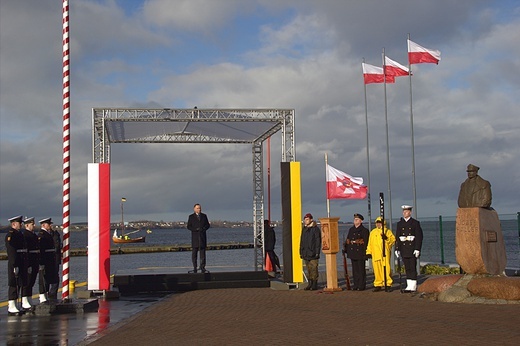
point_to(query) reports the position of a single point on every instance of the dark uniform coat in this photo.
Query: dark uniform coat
(48, 258)
(356, 246)
(356, 243)
(16, 258)
(409, 237)
(57, 245)
(198, 227)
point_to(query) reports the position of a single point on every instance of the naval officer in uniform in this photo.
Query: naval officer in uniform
(409, 237)
(33, 261)
(16, 263)
(49, 266)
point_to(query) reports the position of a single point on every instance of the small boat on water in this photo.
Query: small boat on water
(126, 238)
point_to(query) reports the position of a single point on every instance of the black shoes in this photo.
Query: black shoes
(312, 286)
(309, 285)
(194, 271)
(377, 289)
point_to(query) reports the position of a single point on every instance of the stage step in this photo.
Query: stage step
(139, 282)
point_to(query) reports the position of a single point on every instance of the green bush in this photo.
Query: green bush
(436, 269)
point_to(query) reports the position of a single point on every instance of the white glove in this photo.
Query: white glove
(29, 270)
(416, 253)
(16, 270)
(402, 238)
(42, 267)
(397, 254)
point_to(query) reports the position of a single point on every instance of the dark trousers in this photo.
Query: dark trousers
(410, 266)
(27, 290)
(359, 273)
(12, 293)
(194, 253)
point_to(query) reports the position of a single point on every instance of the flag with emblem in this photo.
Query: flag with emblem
(341, 185)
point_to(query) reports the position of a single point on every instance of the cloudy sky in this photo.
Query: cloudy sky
(300, 54)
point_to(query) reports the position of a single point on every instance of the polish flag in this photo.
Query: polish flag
(393, 68)
(374, 74)
(340, 185)
(418, 54)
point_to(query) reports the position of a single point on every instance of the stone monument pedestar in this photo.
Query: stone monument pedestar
(479, 243)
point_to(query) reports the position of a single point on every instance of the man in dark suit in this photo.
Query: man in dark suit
(198, 224)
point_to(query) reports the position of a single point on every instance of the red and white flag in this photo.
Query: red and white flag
(340, 185)
(419, 55)
(393, 68)
(374, 74)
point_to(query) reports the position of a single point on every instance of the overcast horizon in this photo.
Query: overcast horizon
(294, 54)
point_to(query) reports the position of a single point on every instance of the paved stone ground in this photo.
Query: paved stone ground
(263, 316)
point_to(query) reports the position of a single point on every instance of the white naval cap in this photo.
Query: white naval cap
(46, 220)
(406, 207)
(17, 218)
(28, 219)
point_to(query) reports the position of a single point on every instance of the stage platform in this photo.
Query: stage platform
(177, 279)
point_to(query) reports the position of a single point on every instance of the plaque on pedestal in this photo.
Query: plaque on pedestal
(479, 243)
(330, 247)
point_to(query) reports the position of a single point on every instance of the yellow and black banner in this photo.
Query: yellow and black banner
(291, 221)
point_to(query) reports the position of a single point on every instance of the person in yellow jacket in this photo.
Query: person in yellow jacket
(375, 250)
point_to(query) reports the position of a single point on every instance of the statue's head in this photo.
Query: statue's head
(472, 170)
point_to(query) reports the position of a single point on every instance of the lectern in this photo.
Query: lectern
(330, 247)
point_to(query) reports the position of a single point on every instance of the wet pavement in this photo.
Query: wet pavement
(69, 328)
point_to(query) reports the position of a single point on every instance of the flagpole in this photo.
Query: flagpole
(326, 187)
(368, 158)
(411, 132)
(387, 142)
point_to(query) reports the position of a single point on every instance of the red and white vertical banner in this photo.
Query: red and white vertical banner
(66, 151)
(98, 226)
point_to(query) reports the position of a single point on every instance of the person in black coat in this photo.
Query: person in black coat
(53, 288)
(269, 244)
(33, 257)
(355, 247)
(310, 248)
(49, 267)
(198, 224)
(16, 263)
(409, 237)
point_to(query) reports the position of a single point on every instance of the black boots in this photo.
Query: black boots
(312, 285)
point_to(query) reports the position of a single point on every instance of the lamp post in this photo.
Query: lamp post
(122, 219)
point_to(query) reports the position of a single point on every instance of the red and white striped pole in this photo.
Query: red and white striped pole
(66, 151)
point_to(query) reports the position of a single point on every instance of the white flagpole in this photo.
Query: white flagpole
(411, 132)
(326, 184)
(368, 158)
(387, 144)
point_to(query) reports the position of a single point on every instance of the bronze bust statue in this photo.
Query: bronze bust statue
(474, 191)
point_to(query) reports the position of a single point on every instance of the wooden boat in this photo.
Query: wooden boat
(126, 239)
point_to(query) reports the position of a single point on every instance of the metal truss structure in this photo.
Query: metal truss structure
(245, 126)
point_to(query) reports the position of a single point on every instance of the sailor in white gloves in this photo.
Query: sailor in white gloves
(408, 246)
